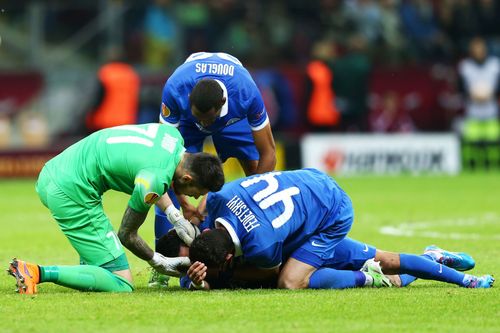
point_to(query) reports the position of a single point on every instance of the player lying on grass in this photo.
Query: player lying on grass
(300, 216)
(140, 160)
(350, 255)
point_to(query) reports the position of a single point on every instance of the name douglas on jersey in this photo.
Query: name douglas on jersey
(212, 68)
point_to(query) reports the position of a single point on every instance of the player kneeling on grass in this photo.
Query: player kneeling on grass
(301, 217)
(140, 160)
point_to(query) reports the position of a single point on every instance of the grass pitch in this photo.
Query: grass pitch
(402, 214)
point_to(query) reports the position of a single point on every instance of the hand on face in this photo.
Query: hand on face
(197, 272)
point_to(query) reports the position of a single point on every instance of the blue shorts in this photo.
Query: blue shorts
(350, 255)
(235, 140)
(320, 247)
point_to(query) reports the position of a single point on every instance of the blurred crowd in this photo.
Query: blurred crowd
(392, 65)
(264, 32)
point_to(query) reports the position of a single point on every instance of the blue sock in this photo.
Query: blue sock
(407, 279)
(162, 225)
(329, 278)
(424, 268)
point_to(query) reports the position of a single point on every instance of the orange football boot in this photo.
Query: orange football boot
(27, 275)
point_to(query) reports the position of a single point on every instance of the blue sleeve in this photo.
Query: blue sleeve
(257, 114)
(184, 282)
(170, 112)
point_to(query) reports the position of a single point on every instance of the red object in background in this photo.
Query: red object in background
(333, 160)
(120, 104)
(18, 89)
(389, 115)
(417, 92)
(321, 110)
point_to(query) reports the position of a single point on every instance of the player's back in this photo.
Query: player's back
(113, 157)
(277, 207)
(241, 92)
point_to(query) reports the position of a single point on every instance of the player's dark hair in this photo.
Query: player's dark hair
(211, 247)
(206, 170)
(206, 94)
(169, 244)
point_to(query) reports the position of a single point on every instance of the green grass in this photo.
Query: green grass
(435, 209)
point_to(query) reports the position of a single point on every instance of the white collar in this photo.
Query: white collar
(232, 233)
(224, 109)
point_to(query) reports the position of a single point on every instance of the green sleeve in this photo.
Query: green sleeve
(147, 191)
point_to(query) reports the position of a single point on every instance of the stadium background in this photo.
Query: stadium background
(394, 65)
(406, 53)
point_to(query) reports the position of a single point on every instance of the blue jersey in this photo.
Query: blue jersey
(243, 98)
(271, 215)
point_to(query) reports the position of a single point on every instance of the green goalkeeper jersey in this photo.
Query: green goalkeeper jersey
(139, 160)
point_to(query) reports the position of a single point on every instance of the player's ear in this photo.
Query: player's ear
(187, 178)
(227, 262)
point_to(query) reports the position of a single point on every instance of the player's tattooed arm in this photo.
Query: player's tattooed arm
(129, 237)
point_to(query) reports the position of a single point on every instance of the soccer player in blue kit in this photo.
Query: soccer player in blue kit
(300, 217)
(212, 94)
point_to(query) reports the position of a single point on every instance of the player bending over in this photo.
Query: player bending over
(213, 95)
(140, 160)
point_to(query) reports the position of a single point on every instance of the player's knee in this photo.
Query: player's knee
(287, 282)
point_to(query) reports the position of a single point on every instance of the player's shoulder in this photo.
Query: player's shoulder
(305, 172)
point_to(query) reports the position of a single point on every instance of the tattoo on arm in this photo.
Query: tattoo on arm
(129, 237)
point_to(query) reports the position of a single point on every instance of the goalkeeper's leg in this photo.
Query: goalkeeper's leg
(81, 277)
(85, 278)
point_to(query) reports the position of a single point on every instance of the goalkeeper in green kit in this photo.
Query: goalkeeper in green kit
(141, 160)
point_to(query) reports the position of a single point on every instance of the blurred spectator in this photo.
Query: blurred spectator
(244, 37)
(422, 31)
(277, 96)
(161, 35)
(322, 112)
(351, 84)
(388, 115)
(391, 36)
(463, 24)
(489, 16)
(335, 21)
(5, 131)
(479, 83)
(194, 20)
(117, 100)
(278, 24)
(34, 130)
(367, 17)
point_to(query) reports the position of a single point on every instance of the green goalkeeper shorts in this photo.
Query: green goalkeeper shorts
(88, 229)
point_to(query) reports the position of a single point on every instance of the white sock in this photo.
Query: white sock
(369, 280)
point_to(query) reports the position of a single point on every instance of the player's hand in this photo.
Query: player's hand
(167, 265)
(197, 272)
(185, 230)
